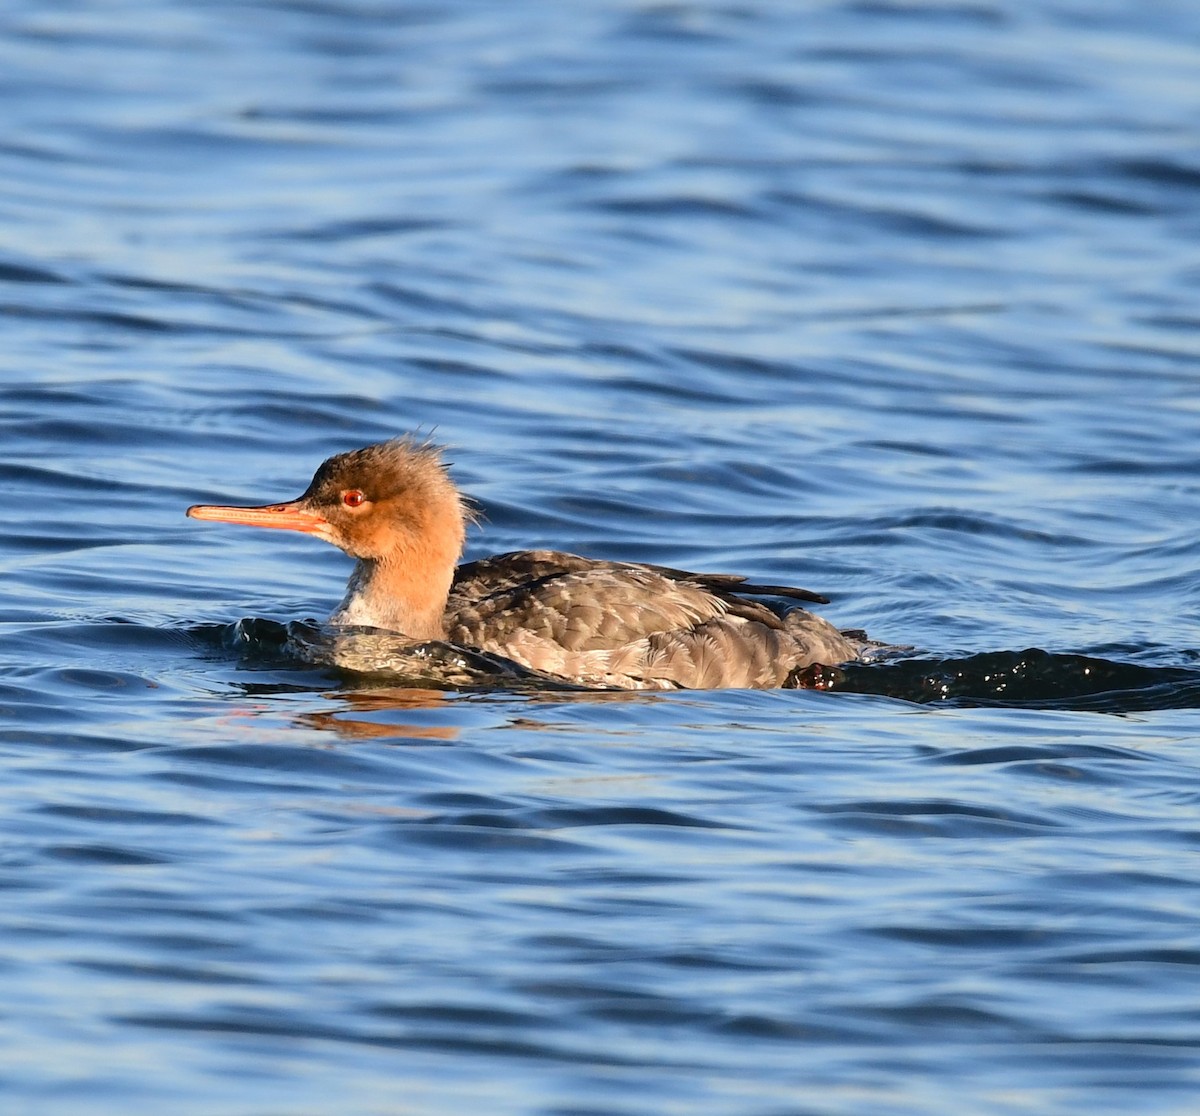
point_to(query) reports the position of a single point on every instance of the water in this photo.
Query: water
(896, 302)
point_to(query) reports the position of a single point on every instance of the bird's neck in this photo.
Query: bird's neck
(379, 595)
(406, 589)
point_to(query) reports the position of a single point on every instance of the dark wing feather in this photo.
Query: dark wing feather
(599, 607)
(635, 625)
(506, 571)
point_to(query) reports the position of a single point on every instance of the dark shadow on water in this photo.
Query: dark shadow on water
(1032, 678)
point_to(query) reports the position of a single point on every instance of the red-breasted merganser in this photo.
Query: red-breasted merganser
(625, 625)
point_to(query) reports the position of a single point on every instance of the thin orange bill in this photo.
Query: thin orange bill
(292, 516)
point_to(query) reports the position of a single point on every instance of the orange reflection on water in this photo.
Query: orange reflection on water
(347, 726)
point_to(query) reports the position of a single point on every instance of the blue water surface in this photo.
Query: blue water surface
(895, 301)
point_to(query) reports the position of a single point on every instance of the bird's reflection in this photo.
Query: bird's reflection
(370, 712)
(345, 724)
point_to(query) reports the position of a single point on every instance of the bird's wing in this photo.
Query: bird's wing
(600, 607)
(631, 625)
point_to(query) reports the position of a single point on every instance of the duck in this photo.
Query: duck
(394, 508)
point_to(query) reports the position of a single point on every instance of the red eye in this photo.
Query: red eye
(353, 498)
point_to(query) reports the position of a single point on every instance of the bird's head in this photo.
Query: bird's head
(378, 503)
